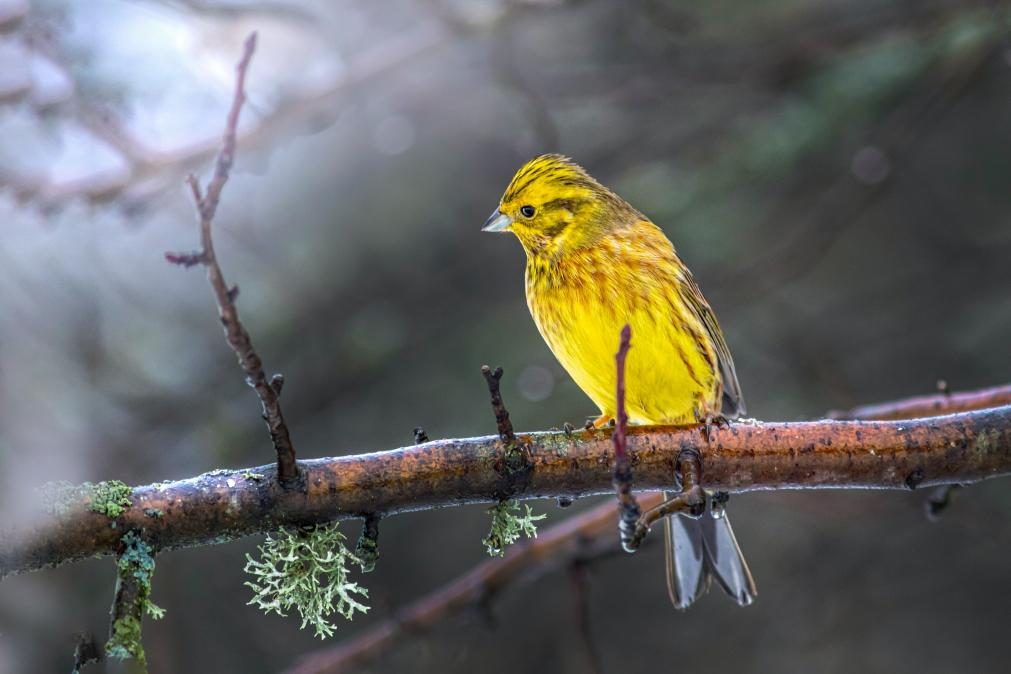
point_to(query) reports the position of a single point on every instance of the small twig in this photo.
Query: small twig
(238, 338)
(505, 427)
(628, 508)
(516, 466)
(939, 501)
(86, 652)
(367, 549)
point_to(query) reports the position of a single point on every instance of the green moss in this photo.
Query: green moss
(135, 566)
(507, 527)
(306, 569)
(110, 498)
(125, 642)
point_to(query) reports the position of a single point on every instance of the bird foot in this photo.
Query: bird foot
(710, 419)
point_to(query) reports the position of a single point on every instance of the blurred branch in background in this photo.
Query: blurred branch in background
(148, 171)
(581, 539)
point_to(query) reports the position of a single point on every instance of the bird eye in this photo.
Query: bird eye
(527, 211)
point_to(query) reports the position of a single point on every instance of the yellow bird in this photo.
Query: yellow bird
(595, 264)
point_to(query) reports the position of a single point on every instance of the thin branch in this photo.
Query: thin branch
(502, 422)
(227, 504)
(235, 332)
(628, 508)
(515, 464)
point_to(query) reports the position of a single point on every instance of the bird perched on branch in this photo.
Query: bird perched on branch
(595, 264)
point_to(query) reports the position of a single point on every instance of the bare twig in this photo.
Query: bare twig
(515, 465)
(939, 501)
(227, 504)
(504, 425)
(367, 549)
(628, 508)
(235, 332)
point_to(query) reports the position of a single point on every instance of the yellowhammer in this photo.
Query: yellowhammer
(595, 264)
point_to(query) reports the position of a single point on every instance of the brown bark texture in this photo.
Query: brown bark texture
(226, 504)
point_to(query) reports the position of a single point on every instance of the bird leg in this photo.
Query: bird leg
(690, 500)
(710, 419)
(603, 421)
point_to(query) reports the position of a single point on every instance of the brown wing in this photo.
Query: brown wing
(732, 404)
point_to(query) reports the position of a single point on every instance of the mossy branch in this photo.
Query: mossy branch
(226, 504)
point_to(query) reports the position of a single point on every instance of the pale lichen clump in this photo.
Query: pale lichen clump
(306, 569)
(507, 527)
(135, 568)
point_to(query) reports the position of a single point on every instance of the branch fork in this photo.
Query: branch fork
(206, 202)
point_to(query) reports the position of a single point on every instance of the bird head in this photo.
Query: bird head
(554, 206)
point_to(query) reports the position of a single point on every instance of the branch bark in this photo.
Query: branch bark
(269, 392)
(226, 504)
(576, 539)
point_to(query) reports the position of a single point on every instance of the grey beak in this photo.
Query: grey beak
(497, 222)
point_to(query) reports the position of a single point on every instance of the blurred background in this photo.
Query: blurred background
(835, 173)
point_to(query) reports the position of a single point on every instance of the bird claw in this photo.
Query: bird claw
(710, 419)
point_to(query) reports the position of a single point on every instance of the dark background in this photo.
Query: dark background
(836, 174)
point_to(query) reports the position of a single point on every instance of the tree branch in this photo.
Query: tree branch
(269, 392)
(568, 542)
(226, 504)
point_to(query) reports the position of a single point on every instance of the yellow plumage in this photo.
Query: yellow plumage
(594, 263)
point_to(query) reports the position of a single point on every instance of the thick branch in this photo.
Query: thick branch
(567, 542)
(226, 504)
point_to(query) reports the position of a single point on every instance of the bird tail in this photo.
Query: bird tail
(699, 550)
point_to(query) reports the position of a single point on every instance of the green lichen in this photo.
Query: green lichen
(250, 475)
(135, 568)
(110, 498)
(154, 512)
(125, 640)
(507, 527)
(306, 569)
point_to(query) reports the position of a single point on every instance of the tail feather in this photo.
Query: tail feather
(724, 559)
(699, 550)
(687, 577)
